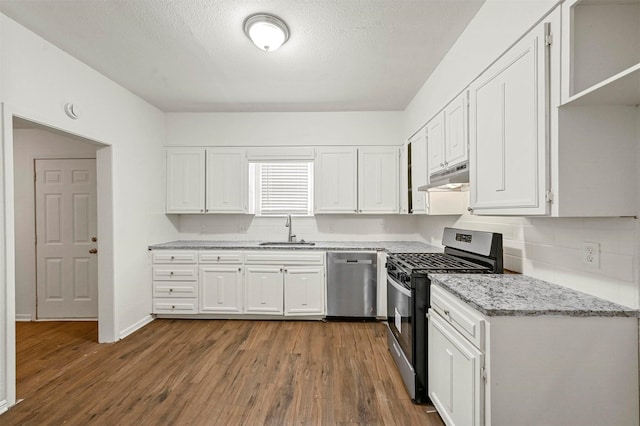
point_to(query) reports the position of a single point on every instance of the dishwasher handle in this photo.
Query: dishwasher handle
(352, 261)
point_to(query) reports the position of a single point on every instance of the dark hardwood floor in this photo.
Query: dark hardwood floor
(209, 372)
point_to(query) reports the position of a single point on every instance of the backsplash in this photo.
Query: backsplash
(551, 249)
(321, 227)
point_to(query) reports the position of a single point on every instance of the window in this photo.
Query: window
(282, 188)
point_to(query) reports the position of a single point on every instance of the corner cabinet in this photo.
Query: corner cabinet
(508, 130)
(185, 180)
(206, 180)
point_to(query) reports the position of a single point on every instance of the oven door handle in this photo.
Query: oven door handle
(402, 289)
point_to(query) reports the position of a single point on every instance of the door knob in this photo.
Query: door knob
(93, 251)
(94, 239)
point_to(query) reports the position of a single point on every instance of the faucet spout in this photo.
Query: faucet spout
(289, 225)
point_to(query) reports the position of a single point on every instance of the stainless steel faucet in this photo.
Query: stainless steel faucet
(290, 226)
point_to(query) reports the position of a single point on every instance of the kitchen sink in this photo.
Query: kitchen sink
(286, 243)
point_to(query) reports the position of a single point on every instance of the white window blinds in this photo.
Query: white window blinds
(284, 188)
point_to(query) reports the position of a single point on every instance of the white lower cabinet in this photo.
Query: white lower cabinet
(221, 289)
(456, 386)
(530, 370)
(221, 283)
(264, 289)
(304, 290)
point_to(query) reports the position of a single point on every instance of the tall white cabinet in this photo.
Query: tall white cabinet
(508, 111)
(419, 172)
(206, 180)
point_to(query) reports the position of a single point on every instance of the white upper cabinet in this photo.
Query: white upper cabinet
(435, 135)
(222, 171)
(456, 139)
(447, 134)
(185, 180)
(378, 177)
(508, 131)
(404, 179)
(419, 172)
(336, 180)
(226, 181)
(601, 52)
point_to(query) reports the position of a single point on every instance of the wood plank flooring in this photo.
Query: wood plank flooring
(211, 372)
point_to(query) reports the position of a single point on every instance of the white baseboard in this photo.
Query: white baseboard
(24, 317)
(4, 406)
(135, 327)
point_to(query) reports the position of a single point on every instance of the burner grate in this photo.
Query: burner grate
(435, 262)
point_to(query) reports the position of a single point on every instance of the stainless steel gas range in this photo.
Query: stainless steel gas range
(468, 252)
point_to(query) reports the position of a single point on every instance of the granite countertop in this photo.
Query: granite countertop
(520, 295)
(389, 246)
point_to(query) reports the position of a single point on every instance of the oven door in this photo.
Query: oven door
(400, 312)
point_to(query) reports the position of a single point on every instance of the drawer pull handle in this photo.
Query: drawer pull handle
(170, 290)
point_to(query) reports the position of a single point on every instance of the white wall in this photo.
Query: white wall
(318, 228)
(30, 144)
(37, 79)
(545, 248)
(284, 128)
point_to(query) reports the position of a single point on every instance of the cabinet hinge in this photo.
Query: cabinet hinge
(483, 373)
(548, 39)
(548, 196)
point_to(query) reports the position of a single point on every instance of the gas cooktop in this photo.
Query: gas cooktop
(416, 263)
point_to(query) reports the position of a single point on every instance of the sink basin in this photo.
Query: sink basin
(286, 243)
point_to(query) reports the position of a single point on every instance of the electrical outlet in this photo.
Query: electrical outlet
(591, 254)
(203, 228)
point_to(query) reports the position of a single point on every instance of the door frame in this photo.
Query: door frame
(107, 320)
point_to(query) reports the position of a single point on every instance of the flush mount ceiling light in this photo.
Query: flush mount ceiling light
(267, 32)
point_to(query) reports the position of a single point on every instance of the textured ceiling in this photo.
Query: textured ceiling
(193, 56)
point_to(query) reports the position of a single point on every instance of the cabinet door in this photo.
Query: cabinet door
(226, 181)
(220, 289)
(508, 137)
(336, 185)
(419, 172)
(264, 289)
(456, 386)
(435, 137)
(378, 179)
(456, 133)
(405, 169)
(304, 291)
(185, 180)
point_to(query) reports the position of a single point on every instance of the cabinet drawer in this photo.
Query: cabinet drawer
(268, 257)
(175, 273)
(230, 257)
(184, 257)
(175, 306)
(179, 289)
(460, 316)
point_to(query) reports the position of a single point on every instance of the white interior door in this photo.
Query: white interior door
(66, 247)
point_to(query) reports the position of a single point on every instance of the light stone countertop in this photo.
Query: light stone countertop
(389, 246)
(520, 295)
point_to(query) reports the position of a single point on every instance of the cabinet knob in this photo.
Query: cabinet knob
(171, 273)
(239, 269)
(173, 306)
(280, 269)
(446, 313)
(360, 210)
(441, 164)
(170, 290)
(172, 257)
(201, 211)
(93, 251)
(218, 258)
(469, 209)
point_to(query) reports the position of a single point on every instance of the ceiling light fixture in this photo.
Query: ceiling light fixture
(267, 32)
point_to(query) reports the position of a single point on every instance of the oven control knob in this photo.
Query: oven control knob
(404, 278)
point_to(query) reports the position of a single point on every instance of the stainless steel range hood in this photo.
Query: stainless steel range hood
(455, 175)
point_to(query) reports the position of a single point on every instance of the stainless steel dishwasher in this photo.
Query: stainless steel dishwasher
(352, 285)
